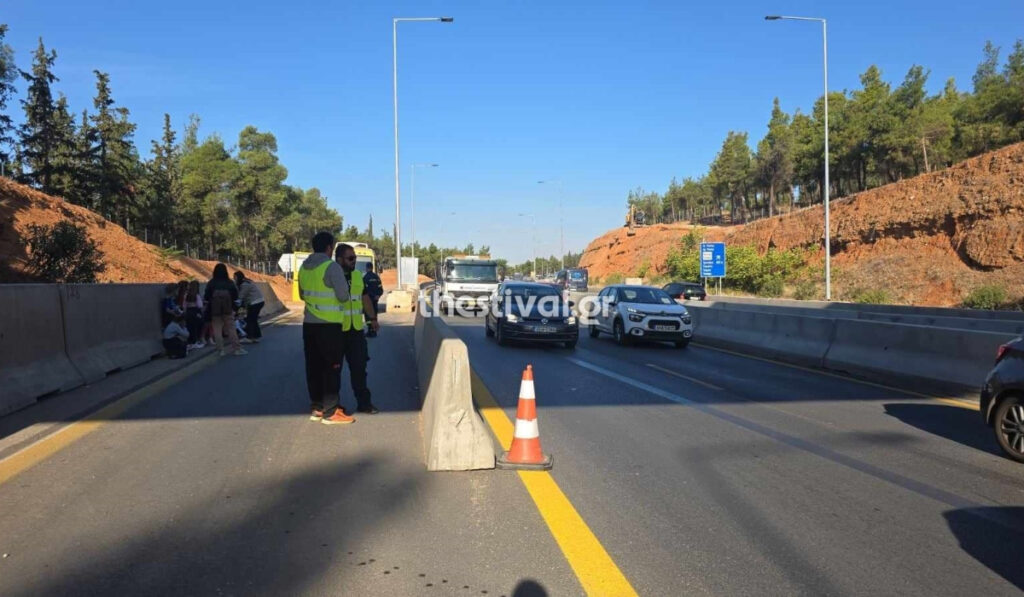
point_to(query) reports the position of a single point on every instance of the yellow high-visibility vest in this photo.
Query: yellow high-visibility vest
(352, 316)
(319, 297)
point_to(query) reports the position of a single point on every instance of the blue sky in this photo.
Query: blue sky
(603, 96)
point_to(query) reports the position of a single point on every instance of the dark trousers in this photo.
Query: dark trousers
(252, 321)
(194, 323)
(356, 356)
(323, 346)
(175, 347)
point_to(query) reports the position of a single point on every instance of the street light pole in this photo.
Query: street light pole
(561, 220)
(412, 194)
(828, 238)
(394, 76)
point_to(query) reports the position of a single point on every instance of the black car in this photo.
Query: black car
(576, 278)
(532, 312)
(1002, 399)
(686, 291)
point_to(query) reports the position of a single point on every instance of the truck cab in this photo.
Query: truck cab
(467, 281)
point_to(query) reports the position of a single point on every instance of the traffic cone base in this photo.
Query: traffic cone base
(525, 452)
(547, 461)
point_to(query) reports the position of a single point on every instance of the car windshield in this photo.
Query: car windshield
(651, 296)
(471, 272)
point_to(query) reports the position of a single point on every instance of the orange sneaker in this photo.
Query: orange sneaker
(316, 415)
(338, 418)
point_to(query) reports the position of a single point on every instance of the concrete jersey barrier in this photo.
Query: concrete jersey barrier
(958, 357)
(454, 435)
(111, 326)
(271, 304)
(790, 338)
(33, 361)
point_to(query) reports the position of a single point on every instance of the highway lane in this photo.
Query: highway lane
(704, 472)
(219, 485)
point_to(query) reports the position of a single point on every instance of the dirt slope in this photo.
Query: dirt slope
(927, 240)
(127, 258)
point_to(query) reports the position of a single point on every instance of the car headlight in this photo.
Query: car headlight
(571, 320)
(511, 317)
(636, 317)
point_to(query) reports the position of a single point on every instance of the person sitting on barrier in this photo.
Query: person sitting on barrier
(169, 308)
(176, 338)
(194, 315)
(252, 300)
(222, 296)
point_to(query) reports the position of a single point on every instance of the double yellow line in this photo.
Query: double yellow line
(594, 568)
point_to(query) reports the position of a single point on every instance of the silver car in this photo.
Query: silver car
(641, 313)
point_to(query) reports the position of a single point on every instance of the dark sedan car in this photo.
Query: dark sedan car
(1002, 399)
(685, 291)
(531, 312)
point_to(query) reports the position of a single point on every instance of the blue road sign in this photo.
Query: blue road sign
(712, 260)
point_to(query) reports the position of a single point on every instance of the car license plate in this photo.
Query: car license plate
(664, 328)
(543, 329)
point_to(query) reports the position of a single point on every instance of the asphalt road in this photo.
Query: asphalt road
(704, 472)
(219, 485)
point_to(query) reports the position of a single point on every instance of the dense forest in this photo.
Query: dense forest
(878, 134)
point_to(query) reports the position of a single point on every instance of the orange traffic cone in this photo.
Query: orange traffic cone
(525, 452)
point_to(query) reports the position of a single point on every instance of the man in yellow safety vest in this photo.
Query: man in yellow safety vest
(359, 310)
(323, 288)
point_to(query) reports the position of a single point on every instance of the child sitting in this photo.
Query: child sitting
(176, 338)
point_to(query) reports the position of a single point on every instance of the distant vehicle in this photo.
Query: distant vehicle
(1002, 399)
(575, 278)
(364, 255)
(686, 291)
(517, 276)
(467, 280)
(510, 322)
(642, 313)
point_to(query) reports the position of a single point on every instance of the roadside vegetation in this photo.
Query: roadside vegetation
(63, 253)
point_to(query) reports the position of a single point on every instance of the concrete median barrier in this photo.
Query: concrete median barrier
(454, 436)
(271, 304)
(790, 338)
(33, 362)
(400, 301)
(913, 352)
(111, 326)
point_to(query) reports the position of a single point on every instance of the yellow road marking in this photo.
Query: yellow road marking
(950, 401)
(686, 377)
(29, 456)
(594, 568)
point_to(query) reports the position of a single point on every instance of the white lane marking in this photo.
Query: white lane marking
(686, 377)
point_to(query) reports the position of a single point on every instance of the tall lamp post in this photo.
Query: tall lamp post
(533, 220)
(824, 45)
(394, 72)
(561, 220)
(413, 200)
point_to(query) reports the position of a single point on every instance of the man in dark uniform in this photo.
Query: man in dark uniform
(353, 337)
(376, 290)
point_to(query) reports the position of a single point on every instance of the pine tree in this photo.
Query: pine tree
(163, 184)
(118, 167)
(8, 74)
(64, 181)
(39, 136)
(86, 139)
(775, 156)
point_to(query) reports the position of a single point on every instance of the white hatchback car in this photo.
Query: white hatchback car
(641, 313)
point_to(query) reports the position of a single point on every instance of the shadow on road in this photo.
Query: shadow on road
(273, 538)
(991, 543)
(958, 424)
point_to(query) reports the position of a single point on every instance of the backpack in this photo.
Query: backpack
(221, 303)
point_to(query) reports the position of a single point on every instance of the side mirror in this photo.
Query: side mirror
(572, 304)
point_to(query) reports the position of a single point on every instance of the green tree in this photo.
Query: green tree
(39, 135)
(65, 160)
(118, 169)
(163, 185)
(207, 175)
(8, 74)
(774, 160)
(731, 171)
(260, 195)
